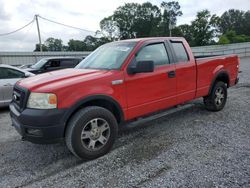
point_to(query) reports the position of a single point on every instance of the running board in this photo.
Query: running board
(158, 115)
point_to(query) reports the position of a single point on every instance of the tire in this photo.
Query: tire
(216, 100)
(91, 132)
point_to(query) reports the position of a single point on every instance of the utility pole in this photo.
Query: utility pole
(170, 28)
(38, 31)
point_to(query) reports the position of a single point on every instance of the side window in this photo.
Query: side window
(3, 73)
(180, 51)
(68, 63)
(53, 63)
(154, 52)
(6, 73)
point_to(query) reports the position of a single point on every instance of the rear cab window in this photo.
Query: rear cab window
(180, 51)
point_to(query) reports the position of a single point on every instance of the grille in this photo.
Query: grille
(20, 97)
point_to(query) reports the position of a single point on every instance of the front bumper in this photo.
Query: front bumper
(39, 126)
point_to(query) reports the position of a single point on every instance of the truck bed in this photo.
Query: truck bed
(207, 67)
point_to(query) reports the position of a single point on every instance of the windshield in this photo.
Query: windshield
(39, 64)
(109, 56)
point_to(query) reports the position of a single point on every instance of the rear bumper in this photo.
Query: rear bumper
(39, 126)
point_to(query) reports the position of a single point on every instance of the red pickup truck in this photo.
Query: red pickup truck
(117, 83)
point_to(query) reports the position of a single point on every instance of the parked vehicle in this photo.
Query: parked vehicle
(117, 83)
(9, 75)
(52, 64)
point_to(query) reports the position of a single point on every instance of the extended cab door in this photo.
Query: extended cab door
(149, 92)
(185, 70)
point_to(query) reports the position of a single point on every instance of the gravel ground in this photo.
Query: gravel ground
(189, 148)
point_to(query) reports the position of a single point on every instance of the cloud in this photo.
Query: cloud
(4, 16)
(191, 7)
(83, 14)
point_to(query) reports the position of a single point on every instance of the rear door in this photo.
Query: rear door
(185, 71)
(8, 79)
(149, 92)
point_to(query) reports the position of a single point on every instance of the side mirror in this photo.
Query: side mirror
(142, 66)
(26, 75)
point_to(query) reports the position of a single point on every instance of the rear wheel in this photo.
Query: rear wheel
(91, 132)
(216, 100)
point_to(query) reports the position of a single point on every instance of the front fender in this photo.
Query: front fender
(81, 102)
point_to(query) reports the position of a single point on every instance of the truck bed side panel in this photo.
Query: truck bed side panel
(208, 69)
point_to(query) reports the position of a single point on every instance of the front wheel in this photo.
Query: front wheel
(91, 132)
(216, 100)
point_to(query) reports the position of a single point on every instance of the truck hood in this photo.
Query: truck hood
(57, 79)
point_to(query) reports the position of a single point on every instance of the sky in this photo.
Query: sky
(84, 14)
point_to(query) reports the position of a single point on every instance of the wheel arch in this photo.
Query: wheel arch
(104, 101)
(222, 76)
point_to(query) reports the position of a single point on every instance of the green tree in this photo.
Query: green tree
(233, 20)
(232, 37)
(75, 45)
(37, 48)
(171, 10)
(135, 20)
(109, 28)
(91, 43)
(141, 20)
(223, 40)
(149, 17)
(204, 28)
(125, 16)
(246, 28)
(53, 44)
(185, 31)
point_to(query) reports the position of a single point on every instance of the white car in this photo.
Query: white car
(9, 75)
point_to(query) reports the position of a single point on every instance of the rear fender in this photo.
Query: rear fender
(219, 75)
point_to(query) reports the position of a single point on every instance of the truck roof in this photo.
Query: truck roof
(150, 38)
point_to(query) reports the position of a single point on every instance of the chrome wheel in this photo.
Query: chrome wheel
(219, 96)
(95, 134)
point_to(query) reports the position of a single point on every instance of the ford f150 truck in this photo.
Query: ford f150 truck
(117, 83)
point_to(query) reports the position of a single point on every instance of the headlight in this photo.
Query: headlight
(42, 101)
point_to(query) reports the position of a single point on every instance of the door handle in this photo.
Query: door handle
(171, 74)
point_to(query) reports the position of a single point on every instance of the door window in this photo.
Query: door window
(53, 64)
(7, 73)
(67, 63)
(154, 52)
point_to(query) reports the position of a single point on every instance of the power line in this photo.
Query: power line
(4, 34)
(26, 32)
(85, 30)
